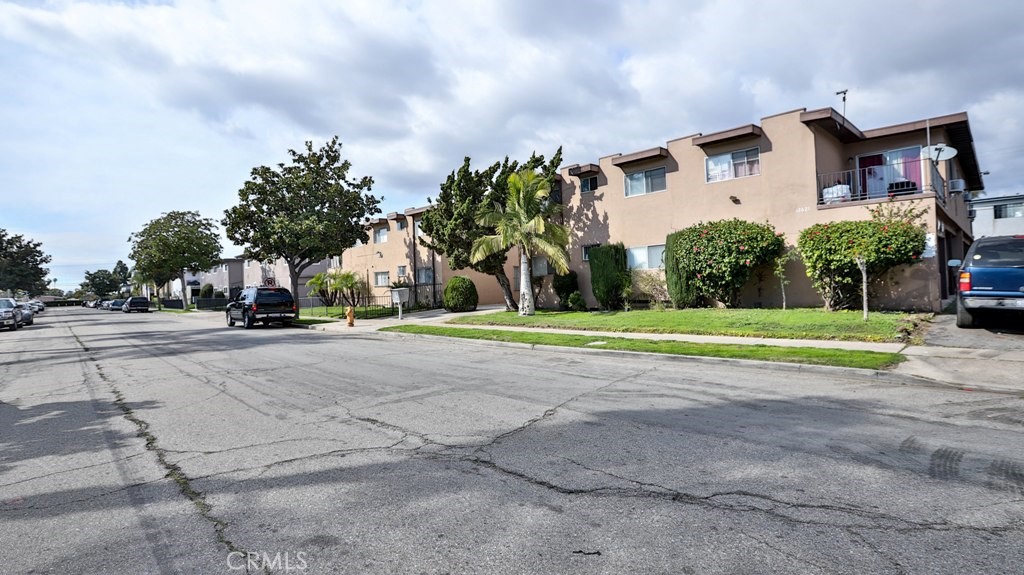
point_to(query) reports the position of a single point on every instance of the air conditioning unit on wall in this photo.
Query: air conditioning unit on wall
(957, 186)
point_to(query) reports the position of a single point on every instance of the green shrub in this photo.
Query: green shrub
(564, 286)
(218, 295)
(460, 294)
(830, 253)
(680, 290)
(206, 291)
(608, 272)
(715, 259)
(576, 302)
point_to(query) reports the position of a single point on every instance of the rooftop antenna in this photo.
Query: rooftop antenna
(843, 94)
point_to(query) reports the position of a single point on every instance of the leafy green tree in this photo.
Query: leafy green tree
(524, 221)
(303, 212)
(103, 283)
(451, 226)
(175, 243)
(21, 264)
(123, 275)
(841, 257)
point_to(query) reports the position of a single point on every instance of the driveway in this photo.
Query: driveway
(1004, 335)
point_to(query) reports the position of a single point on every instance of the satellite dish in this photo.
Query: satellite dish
(939, 152)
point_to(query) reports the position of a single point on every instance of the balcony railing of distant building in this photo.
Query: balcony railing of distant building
(880, 182)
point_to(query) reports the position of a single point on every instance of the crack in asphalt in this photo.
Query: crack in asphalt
(173, 471)
(72, 470)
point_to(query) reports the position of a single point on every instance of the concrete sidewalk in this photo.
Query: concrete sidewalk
(965, 368)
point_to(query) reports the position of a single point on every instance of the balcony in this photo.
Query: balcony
(908, 178)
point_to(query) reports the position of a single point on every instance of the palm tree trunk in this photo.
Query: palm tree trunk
(506, 290)
(525, 290)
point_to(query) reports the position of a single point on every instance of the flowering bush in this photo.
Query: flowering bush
(831, 251)
(714, 260)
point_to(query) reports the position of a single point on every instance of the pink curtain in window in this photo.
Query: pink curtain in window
(907, 164)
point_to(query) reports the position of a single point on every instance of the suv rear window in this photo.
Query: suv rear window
(279, 295)
(999, 253)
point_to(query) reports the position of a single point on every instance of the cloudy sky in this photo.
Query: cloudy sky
(113, 112)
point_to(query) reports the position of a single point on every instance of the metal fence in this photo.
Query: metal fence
(429, 296)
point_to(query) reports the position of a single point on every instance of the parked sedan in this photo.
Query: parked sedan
(991, 279)
(10, 314)
(115, 305)
(28, 313)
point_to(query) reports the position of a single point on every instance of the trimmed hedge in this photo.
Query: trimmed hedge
(608, 274)
(460, 294)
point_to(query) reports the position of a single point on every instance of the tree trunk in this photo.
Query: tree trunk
(782, 286)
(184, 291)
(506, 290)
(525, 289)
(293, 281)
(863, 265)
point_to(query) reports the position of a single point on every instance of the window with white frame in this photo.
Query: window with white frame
(381, 279)
(248, 263)
(401, 272)
(646, 257)
(586, 251)
(224, 267)
(424, 276)
(380, 235)
(588, 184)
(402, 225)
(1003, 211)
(417, 230)
(645, 182)
(733, 165)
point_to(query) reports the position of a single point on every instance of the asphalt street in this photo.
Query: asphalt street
(161, 443)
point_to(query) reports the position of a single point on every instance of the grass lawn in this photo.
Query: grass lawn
(786, 324)
(807, 355)
(172, 310)
(362, 312)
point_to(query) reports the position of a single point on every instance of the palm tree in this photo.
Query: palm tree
(525, 222)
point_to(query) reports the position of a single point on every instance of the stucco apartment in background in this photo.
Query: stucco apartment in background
(1001, 216)
(393, 254)
(792, 170)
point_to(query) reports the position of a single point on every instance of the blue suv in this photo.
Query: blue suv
(991, 279)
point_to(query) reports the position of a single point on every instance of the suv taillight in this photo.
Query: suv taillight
(965, 281)
(253, 306)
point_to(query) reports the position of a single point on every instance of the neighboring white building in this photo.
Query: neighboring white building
(998, 216)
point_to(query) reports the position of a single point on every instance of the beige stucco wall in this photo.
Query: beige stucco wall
(785, 194)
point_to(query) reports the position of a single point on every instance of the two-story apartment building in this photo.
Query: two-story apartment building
(792, 170)
(998, 216)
